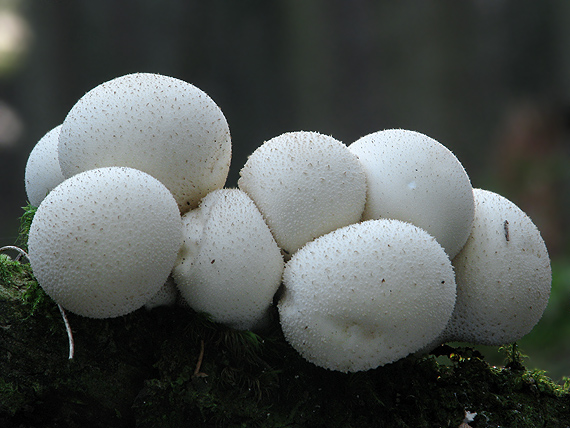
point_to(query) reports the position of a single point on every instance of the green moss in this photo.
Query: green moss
(142, 369)
(278, 388)
(172, 367)
(17, 281)
(25, 223)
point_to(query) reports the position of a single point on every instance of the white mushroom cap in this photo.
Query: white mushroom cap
(305, 184)
(103, 242)
(163, 126)
(503, 275)
(412, 177)
(366, 295)
(229, 265)
(42, 169)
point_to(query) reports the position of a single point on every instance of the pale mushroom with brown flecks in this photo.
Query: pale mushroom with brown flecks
(42, 172)
(158, 124)
(414, 178)
(305, 184)
(103, 242)
(503, 275)
(366, 295)
(229, 265)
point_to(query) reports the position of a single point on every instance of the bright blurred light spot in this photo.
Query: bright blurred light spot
(11, 126)
(15, 35)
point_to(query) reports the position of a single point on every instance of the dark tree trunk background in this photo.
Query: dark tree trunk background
(346, 68)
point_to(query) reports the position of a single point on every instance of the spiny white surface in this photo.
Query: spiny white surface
(366, 295)
(167, 295)
(161, 125)
(305, 184)
(229, 265)
(42, 172)
(103, 242)
(412, 177)
(503, 275)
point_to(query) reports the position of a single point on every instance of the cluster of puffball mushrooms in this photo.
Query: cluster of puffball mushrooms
(371, 251)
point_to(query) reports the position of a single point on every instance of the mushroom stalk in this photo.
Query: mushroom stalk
(62, 312)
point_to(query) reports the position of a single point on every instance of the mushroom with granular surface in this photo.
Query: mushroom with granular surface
(503, 275)
(305, 184)
(366, 295)
(42, 171)
(167, 295)
(229, 265)
(103, 242)
(414, 178)
(158, 124)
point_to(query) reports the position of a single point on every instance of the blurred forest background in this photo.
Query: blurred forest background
(490, 79)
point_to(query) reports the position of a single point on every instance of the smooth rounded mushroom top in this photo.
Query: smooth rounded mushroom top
(103, 242)
(229, 265)
(503, 275)
(414, 178)
(305, 184)
(161, 125)
(366, 295)
(42, 172)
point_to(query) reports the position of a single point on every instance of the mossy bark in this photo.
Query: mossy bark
(142, 370)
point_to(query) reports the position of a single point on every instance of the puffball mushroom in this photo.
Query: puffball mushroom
(103, 242)
(366, 295)
(412, 177)
(161, 125)
(305, 184)
(42, 172)
(503, 275)
(167, 295)
(229, 265)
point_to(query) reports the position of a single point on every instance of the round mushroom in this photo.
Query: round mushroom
(42, 172)
(161, 125)
(366, 295)
(503, 275)
(103, 242)
(412, 177)
(305, 184)
(229, 265)
(167, 295)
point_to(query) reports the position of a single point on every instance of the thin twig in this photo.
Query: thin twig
(197, 372)
(18, 249)
(68, 330)
(61, 311)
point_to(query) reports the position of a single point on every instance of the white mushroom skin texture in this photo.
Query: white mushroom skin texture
(167, 295)
(503, 275)
(103, 242)
(366, 295)
(161, 125)
(229, 265)
(305, 184)
(42, 168)
(412, 177)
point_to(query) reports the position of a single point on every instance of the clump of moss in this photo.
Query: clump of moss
(25, 223)
(172, 367)
(278, 388)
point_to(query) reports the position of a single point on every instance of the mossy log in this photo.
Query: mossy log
(171, 367)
